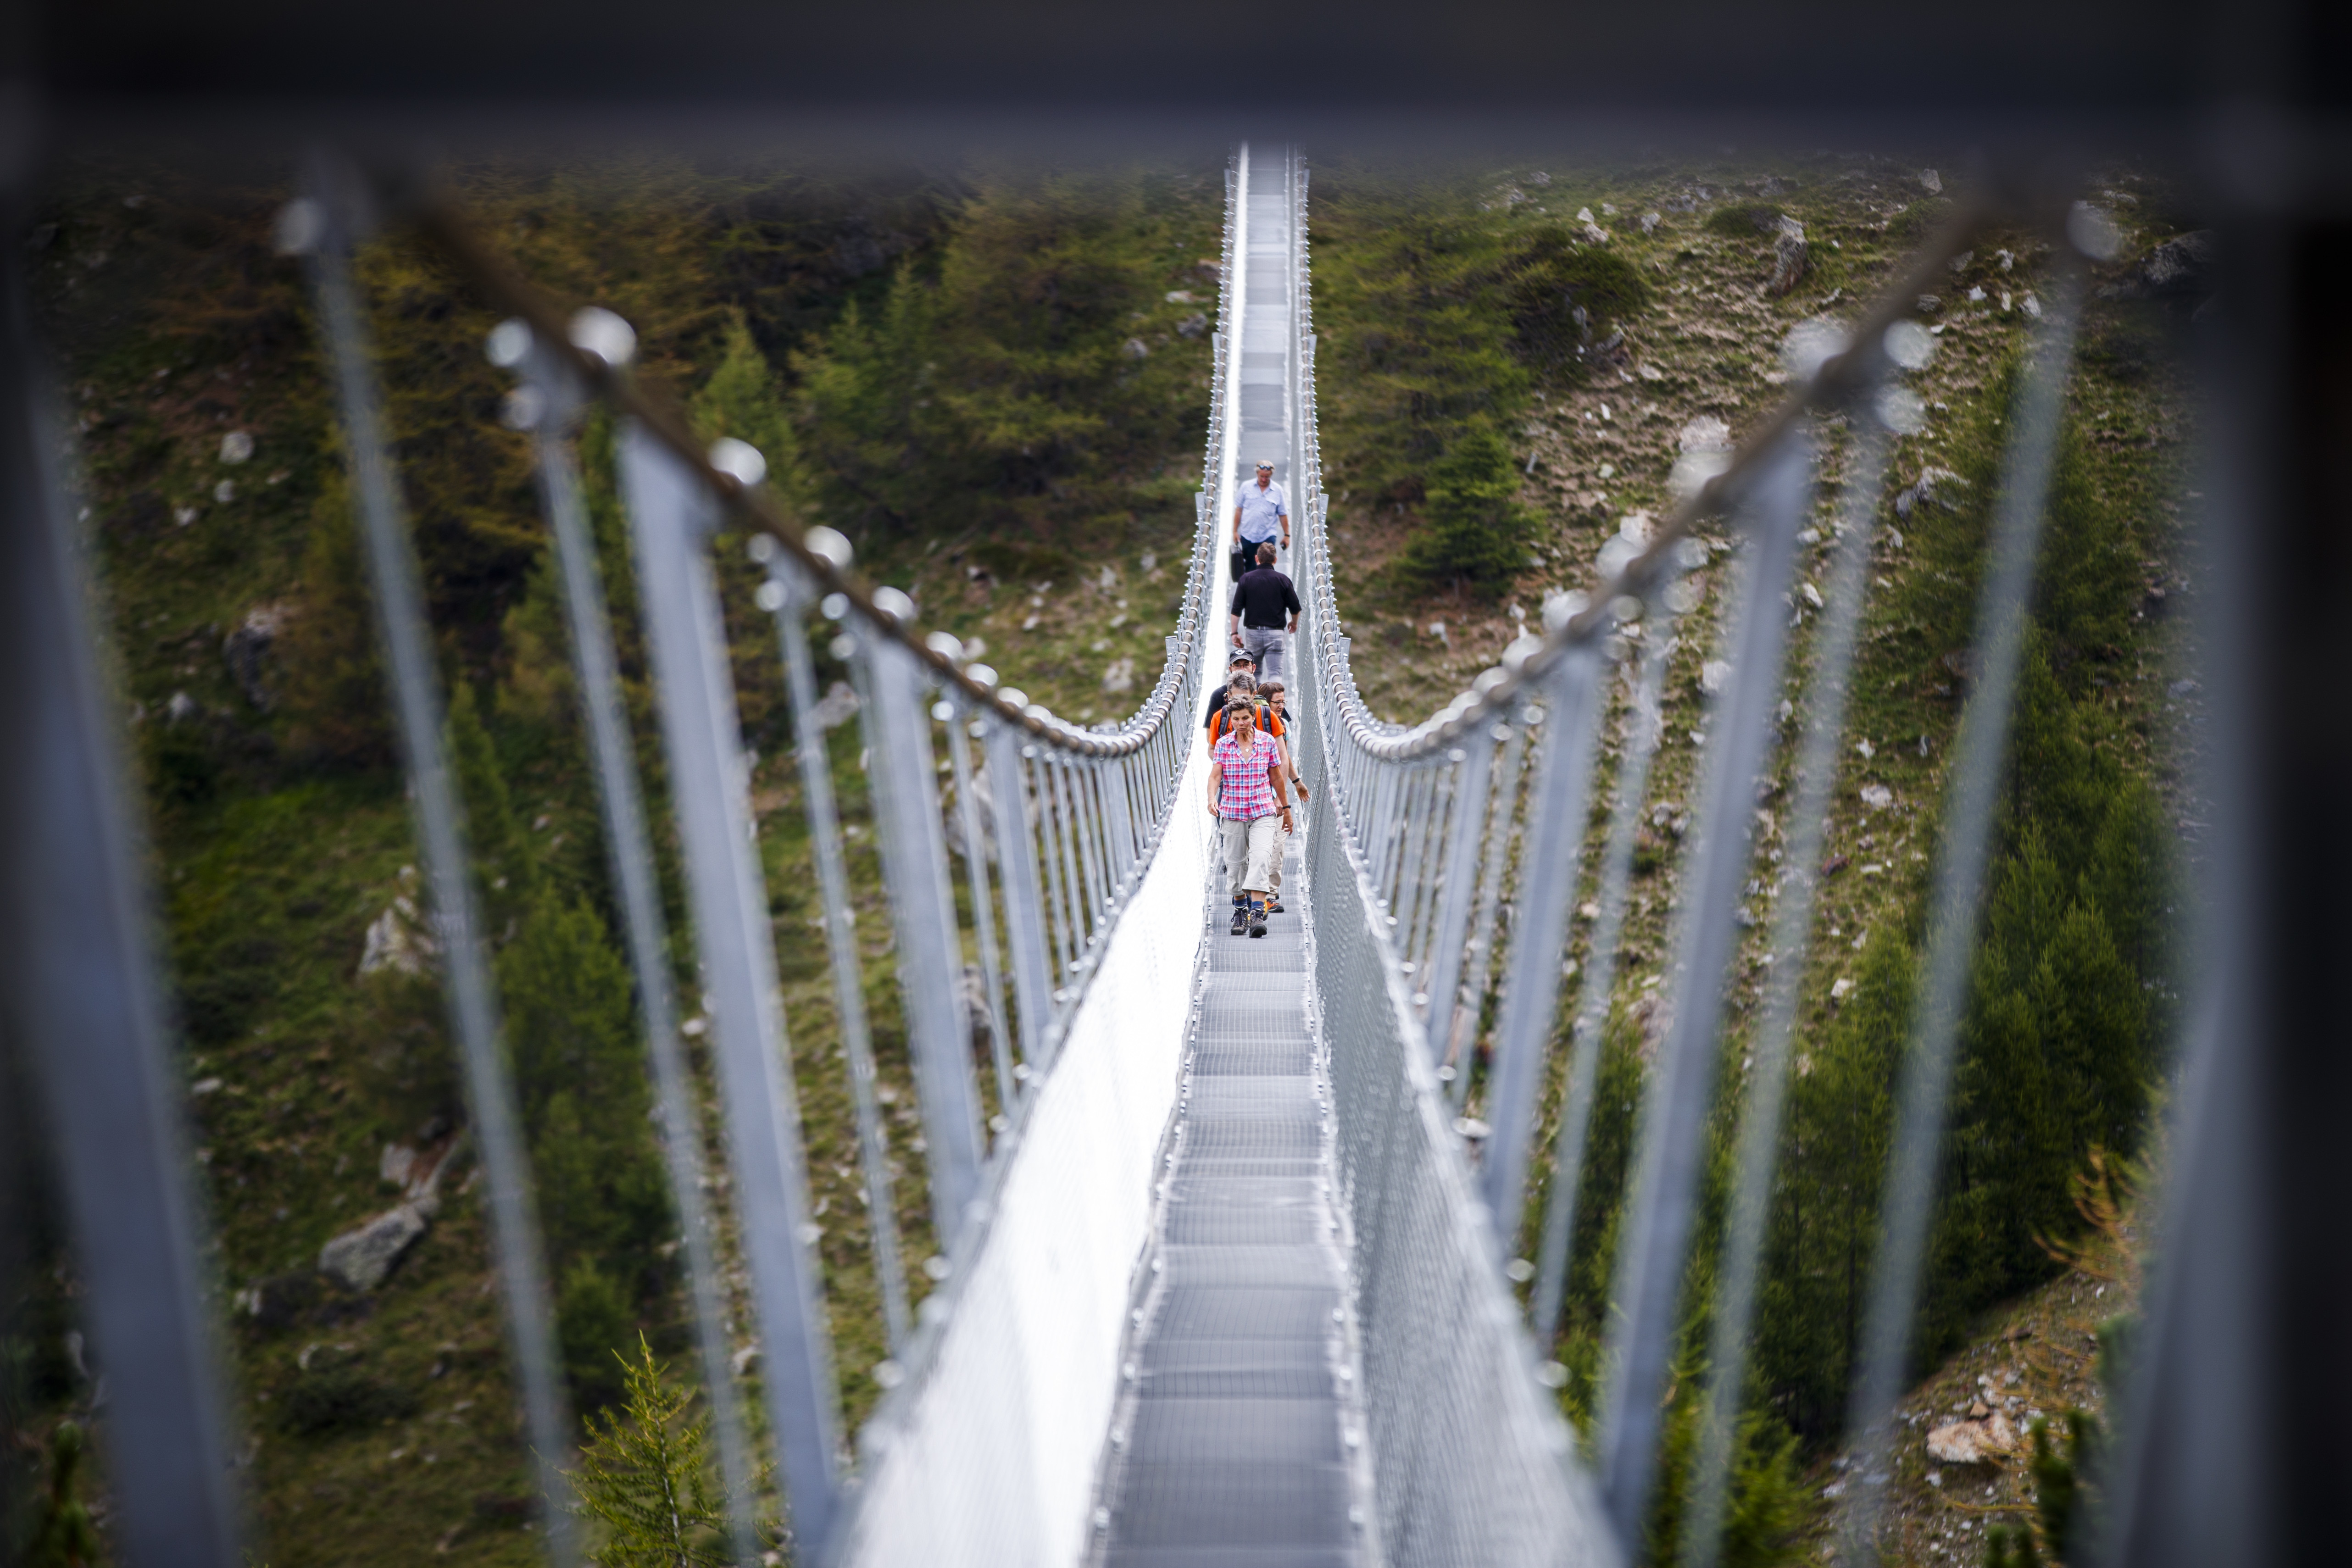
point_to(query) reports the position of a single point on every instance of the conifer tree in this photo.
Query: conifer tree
(333, 686)
(743, 399)
(580, 1082)
(503, 856)
(646, 1474)
(64, 1534)
(1476, 531)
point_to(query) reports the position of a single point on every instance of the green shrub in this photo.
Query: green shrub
(1745, 221)
(327, 1400)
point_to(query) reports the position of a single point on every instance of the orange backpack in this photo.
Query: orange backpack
(1268, 721)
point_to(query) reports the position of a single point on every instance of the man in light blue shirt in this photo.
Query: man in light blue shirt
(1262, 513)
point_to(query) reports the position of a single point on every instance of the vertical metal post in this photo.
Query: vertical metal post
(1074, 882)
(1058, 903)
(930, 948)
(1460, 1034)
(1664, 1188)
(473, 1004)
(1573, 696)
(983, 911)
(1454, 917)
(1760, 1129)
(1024, 902)
(81, 1001)
(629, 852)
(791, 592)
(670, 515)
(1596, 985)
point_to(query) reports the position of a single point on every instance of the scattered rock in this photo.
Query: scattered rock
(1135, 347)
(1650, 222)
(2181, 268)
(1840, 988)
(1193, 325)
(1972, 1442)
(360, 1259)
(1712, 675)
(180, 708)
(1119, 678)
(397, 938)
(236, 446)
(1878, 796)
(1932, 182)
(1933, 486)
(1180, 296)
(1791, 256)
(839, 705)
(246, 647)
(1834, 865)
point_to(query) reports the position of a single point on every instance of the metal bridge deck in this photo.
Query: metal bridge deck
(1231, 1446)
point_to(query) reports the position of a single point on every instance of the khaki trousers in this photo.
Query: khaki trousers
(1252, 847)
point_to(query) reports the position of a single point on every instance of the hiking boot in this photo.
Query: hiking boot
(1273, 905)
(1241, 919)
(1258, 922)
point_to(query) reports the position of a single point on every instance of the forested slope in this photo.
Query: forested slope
(995, 381)
(1513, 361)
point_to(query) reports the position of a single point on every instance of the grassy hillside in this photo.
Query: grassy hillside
(1560, 334)
(379, 1424)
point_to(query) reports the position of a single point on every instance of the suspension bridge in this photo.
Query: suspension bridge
(1227, 1280)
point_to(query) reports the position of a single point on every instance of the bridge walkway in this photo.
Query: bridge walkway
(1233, 1440)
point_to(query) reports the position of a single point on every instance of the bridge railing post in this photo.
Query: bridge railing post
(629, 854)
(670, 514)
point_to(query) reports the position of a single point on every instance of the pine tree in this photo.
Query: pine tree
(646, 1474)
(580, 1082)
(1476, 531)
(502, 852)
(742, 399)
(64, 1535)
(1824, 1224)
(332, 685)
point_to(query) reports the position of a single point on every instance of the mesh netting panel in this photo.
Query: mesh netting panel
(1471, 1466)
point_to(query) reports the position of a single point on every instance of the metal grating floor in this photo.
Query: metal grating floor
(1230, 1448)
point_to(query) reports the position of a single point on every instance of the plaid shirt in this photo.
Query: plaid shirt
(1244, 792)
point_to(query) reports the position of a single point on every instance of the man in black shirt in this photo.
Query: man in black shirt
(1262, 601)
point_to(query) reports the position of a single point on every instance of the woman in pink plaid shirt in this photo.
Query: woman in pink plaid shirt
(1246, 795)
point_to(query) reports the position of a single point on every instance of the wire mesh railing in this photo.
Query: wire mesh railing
(1428, 831)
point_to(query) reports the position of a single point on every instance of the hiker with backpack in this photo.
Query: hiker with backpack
(1273, 724)
(1248, 795)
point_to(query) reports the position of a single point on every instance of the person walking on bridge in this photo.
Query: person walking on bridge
(1247, 795)
(1262, 512)
(1265, 612)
